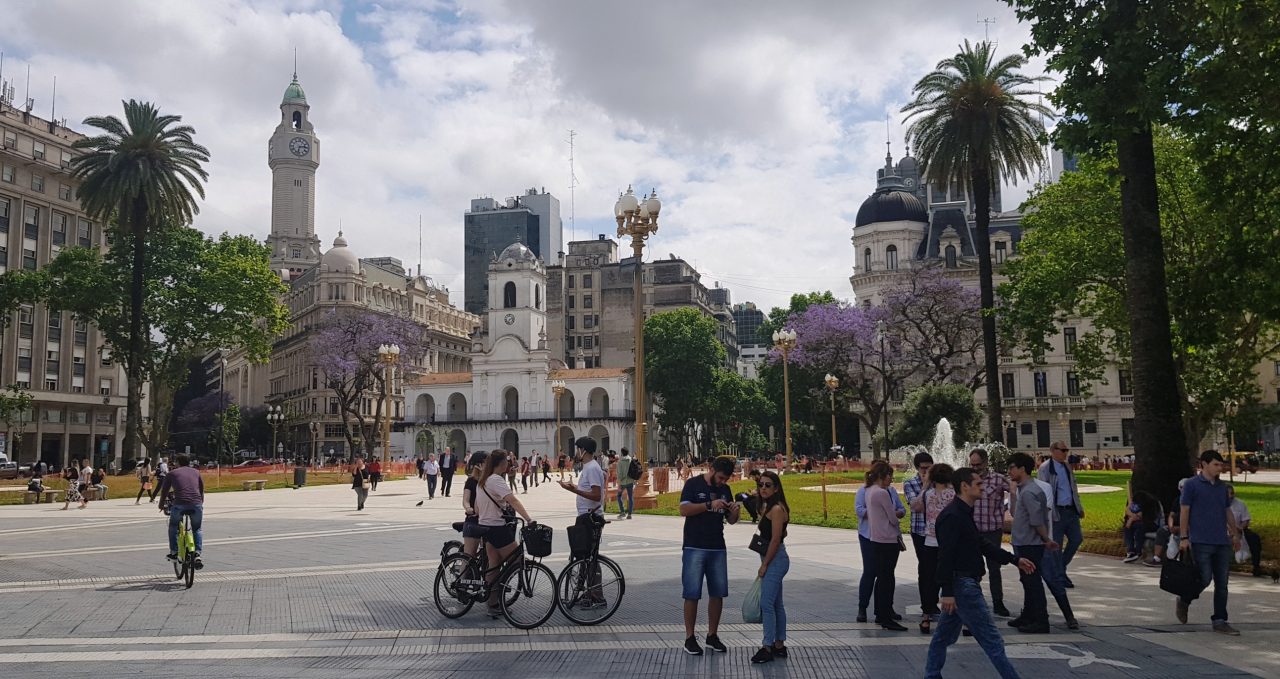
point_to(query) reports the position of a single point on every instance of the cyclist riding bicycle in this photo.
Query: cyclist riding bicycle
(495, 503)
(182, 493)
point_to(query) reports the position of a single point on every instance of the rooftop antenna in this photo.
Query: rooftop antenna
(53, 110)
(986, 27)
(1047, 148)
(573, 184)
(419, 245)
(295, 63)
(30, 102)
(888, 155)
(2, 82)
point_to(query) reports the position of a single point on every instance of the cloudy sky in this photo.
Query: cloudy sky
(760, 122)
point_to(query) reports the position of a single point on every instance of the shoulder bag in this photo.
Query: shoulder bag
(1179, 576)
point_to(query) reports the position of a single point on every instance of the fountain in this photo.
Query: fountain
(943, 449)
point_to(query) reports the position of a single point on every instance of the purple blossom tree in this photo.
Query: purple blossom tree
(940, 324)
(344, 349)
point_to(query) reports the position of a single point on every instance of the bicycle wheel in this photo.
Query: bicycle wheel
(180, 562)
(457, 581)
(584, 602)
(534, 589)
(189, 569)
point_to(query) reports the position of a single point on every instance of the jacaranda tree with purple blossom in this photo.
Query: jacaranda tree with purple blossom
(344, 349)
(941, 326)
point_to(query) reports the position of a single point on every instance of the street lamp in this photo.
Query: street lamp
(639, 220)
(1230, 408)
(388, 354)
(785, 341)
(315, 443)
(557, 388)
(275, 417)
(884, 379)
(832, 383)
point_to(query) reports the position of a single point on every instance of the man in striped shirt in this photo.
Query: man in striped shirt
(988, 515)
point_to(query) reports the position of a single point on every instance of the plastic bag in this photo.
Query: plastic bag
(751, 605)
(1242, 554)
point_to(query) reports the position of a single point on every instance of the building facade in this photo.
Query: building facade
(490, 226)
(79, 391)
(753, 348)
(293, 153)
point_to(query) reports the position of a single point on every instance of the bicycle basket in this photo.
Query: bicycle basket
(581, 539)
(537, 540)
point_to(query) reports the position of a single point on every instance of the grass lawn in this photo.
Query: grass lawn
(1104, 512)
(127, 485)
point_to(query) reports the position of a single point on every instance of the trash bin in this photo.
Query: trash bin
(299, 476)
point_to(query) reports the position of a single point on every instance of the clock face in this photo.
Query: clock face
(299, 146)
(509, 319)
(911, 183)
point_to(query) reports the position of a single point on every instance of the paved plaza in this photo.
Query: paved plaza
(299, 584)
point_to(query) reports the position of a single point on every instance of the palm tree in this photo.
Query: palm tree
(975, 122)
(139, 174)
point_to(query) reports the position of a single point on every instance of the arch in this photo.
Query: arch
(891, 258)
(537, 296)
(866, 260)
(458, 441)
(457, 408)
(510, 404)
(566, 441)
(951, 256)
(297, 120)
(511, 441)
(601, 435)
(424, 408)
(566, 405)
(509, 295)
(424, 444)
(598, 403)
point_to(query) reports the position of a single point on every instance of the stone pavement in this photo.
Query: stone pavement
(298, 584)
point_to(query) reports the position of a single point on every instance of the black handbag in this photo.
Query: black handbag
(1181, 577)
(759, 545)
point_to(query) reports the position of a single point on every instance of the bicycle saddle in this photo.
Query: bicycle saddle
(457, 525)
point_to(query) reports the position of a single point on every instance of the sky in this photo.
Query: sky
(760, 123)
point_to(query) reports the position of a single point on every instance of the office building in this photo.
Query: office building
(532, 219)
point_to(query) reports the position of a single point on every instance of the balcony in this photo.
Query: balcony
(1043, 403)
(565, 418)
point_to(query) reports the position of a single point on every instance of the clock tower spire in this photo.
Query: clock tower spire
(293, 153)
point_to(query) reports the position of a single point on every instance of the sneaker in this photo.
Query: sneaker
(999, 609)
(621, 517)
(893, 626)
(1155, 562)
(493, 611)
(172, 556)
(198, 563)
(714, 643)
(1018, 621)
(1034, 628)
(862, 615)
(1131, 557)
(1224, 627)
(1066, 582)
(780, 651)
(1180, 610)
(630, 517)
(762, 656)
(1073, 624)
(691, 646)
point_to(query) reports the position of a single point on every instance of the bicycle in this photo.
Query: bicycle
(460, 580)
(584, 588)
(185, 565)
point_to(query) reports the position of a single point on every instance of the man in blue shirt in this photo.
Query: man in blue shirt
(706, 503)
(867, 583)
(1210, 534)
(1068, 510)
(913, 488)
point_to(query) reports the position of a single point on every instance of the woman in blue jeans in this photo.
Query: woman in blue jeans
(774, 564)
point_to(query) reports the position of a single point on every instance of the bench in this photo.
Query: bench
(50, 494)
(13, 489)
(254, 484)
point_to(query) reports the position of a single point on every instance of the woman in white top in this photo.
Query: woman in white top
(144, 479)
(492, 502)
(937, 494)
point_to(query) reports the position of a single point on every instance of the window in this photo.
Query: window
(59, 228)
(50, 383)
(82, 332)
(589, 362)
(297, 253)
(31, 222)
(1006, 386)
(1073, 386)
(332, 408)
(537, 296)
(891, 258)
(37, 150)
(572, 302)
(1126, 431)
(571, 322)
(588, 342)
(1069, 341)
(951, 256)
(105, 360)
(1126, 383)
(1076, 430)
(8, 174)
(866, 259)
(104, 386)
(4, 222)
(66, 159)
(1042, 385)
(10, 140)
(1277, 368)
(55, 324)
(1090, 426)
(586, 301)
(509, 295)
(588, 322)
(571, 281)
(586, 280)
(24, 359)
(84, 233)
(28, 259)
(1000, 252)
(334, 431)
(37, 183)
(64, 192)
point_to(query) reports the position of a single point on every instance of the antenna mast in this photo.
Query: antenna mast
(986, 27)
(419, 246)
(573, 184)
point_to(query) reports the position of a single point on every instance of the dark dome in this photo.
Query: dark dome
(891, 205)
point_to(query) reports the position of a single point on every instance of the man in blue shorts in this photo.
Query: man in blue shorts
(706, 503)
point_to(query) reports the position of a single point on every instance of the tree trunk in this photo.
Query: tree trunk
(980, 178)
(1159, 442)
(137, 332)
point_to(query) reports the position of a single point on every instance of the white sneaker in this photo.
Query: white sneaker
(1131, 557)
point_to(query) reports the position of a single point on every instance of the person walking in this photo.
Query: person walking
(627, 477)
(512, 469)
(535, 467)
(360, 483)
(546, 469)
(913, 489)
(774, 564)
(1050, 567)
(1068, 510)
(72, 476)
(938, 493)
(961, 552)
(524, 474)
(867, 583)
(886, 542)
(706, 502)
(421, 465)
(84, 483)
(1210, 536)
(448, 463)
(161, 471)
(1243, 520)
(375, 473)
(988, 514)
(143, 473)
(431, 472)
(1032, 539)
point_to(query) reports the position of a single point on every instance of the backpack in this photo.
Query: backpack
(634, 470)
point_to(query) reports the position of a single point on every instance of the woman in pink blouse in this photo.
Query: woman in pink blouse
(886, 539)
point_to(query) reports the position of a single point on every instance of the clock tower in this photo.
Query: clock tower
(293, 153)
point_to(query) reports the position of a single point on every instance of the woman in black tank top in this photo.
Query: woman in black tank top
(774, 564)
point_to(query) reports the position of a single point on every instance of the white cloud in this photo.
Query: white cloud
(761, 123)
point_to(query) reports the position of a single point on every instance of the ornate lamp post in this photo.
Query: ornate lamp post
(557, 388)
(1230, 409)
(832, 383)
(275, 417)
(315, 443)
(388, 354)
(785, 341)
(639, 220)
(884, 379)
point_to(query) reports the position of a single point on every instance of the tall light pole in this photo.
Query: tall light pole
(639, 220)
(557, 388)
(275, 417)
(1230, 408)
(785, 341)
(387, 353)
(222, 402)
(884, 379)
(315, 443)
(832, 383)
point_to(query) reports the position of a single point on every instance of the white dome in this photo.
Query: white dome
(340, 258)
(518, 252)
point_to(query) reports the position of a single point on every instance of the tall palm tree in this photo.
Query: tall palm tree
(141, 175)
(974, 122)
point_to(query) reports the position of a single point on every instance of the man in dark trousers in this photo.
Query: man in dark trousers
(448, 463)
(961, 551)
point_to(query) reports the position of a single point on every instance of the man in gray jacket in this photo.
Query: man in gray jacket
(1032, 541)
(1067, 510)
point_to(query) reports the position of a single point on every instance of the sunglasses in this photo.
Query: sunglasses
(1060, 450)
(766, 484)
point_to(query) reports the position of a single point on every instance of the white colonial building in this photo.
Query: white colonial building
(506, 400)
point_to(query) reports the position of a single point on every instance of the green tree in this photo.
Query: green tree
(777, 317)
(974, 123)
(139, 175)
(1225, 303)
(733, 408)
(924, 406)
(15, 412)
(681, 359)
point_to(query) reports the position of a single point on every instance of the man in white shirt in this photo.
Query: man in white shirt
(590, 488)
